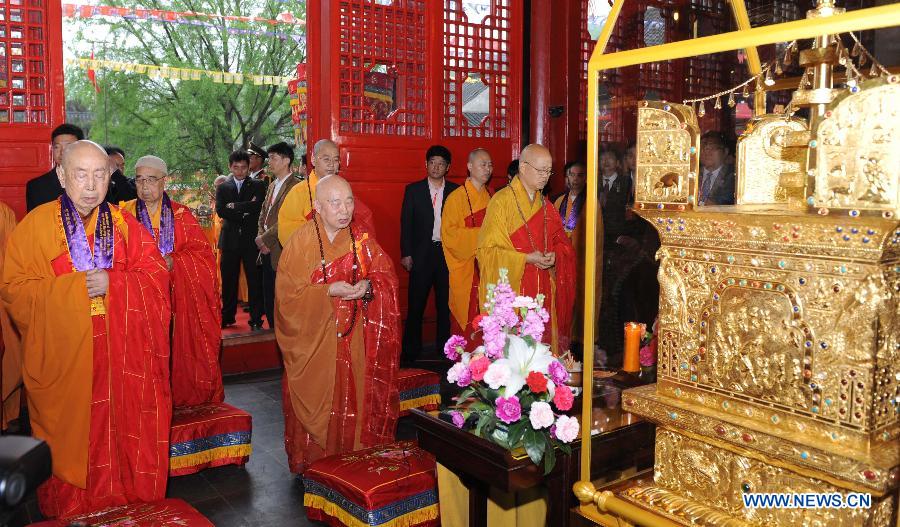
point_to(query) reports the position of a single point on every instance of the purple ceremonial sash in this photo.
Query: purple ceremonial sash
(166, 241)
(571, 220)
(76, 239)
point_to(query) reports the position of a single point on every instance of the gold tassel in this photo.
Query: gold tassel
(718, 104)
(862, 59)
(746, 93)
(873, 71)
(731, 102)
(789, 54)
(769, 80)
(702, 110)
(778, 69)
(857, 49)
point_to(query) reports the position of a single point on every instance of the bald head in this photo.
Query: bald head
(84, 174)
(334, 204)
(326, 158)
(535, 167)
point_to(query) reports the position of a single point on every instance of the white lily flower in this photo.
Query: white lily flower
(521, 359)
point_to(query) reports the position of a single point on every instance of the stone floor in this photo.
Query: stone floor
(262, 493)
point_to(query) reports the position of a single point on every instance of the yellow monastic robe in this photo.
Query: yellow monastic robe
(577, 235)
(461, 220)
(296, 207)
(10, 394)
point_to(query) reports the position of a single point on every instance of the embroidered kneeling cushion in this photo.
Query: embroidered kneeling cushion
(394, 485)
(418, 389)
(164, 513)
(208, 435)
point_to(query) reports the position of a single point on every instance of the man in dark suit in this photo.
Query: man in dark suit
(281, 157)
(716, 178)
(422, 253)
(615, 191)
(238, 202)
(120, 187)
(46, 188)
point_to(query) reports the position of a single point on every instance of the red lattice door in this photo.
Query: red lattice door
(32, 102)
(389, 78)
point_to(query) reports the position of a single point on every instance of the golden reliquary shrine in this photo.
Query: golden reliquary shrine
(779, 345)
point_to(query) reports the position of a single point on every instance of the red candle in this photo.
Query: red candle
(633, 334)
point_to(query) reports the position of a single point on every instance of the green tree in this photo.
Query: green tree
(192, 124)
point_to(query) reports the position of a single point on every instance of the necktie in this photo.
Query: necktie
(606, 185)
(237, 183)
(707, 183)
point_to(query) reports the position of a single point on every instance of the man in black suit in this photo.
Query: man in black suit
(238, 202)
(422, 253)
(615, 192)
(120, 187)
(716, 177)
(46, 188)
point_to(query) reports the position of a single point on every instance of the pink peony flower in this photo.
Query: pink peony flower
(454, 346)
(508, 409)
(479, 367)
(563, 398)
(458, 419)
(566, 428)
(558, 372)
(541, 415)
(459, 372)
(497, 375)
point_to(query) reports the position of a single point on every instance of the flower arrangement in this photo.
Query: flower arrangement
(518, 386)
(647, 353)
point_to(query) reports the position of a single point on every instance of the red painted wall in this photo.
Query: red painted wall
(32, 99)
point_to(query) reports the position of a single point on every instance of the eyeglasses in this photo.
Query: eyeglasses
(146, 180)
(545, 172)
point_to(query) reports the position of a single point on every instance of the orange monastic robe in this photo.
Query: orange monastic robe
(10, 345)
(97, 384)
(577, 235)
(196, 311)
(515, 226)
(340, 393)
(297, 209)
(461, 219)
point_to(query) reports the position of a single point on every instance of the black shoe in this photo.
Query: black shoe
(246, 310)
(256, 326)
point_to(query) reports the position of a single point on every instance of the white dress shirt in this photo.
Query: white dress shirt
(437, 204)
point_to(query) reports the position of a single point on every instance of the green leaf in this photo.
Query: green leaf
(465, 394)
(516, 432)
(549, 459)
(565, 447)
(535, 444)
(482, 420)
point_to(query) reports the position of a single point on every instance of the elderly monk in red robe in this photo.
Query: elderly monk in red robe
(10, 344)
(523, 234)
(196, 302)
(297, 207)
(337, 323)
(89, 292)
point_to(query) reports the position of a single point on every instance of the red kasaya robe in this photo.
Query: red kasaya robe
(504, 242)
(97, 385)
(340, 393)
(196, 311)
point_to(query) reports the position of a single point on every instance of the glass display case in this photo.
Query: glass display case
(778, 338)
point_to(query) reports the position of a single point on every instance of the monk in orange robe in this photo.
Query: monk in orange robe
(196, 302)
(298, 204)
(89, 292)
(10, 344)
(337, 324)
(572, 212)
(523, 234)
(461, 219)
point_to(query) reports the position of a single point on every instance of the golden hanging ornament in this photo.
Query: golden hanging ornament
(804, 79)
(789, 54)
(702, 110)
(718, 104)
(873, 71)
(746, 93)
(731, 102)
(778, 69)
(769, 80)
(862, 59)
(857, 49)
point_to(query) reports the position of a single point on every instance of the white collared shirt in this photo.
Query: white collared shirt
(437, 204)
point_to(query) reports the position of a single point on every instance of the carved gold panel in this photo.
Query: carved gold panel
(667, 141)
(855, 154)
(777, 173)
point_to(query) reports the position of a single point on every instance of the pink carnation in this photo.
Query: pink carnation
(496, 376)
(541, 415)
(566, 428)
(454, 346)
(459, 374)
(563, 398)
(647, 355)
(458, 419)
(478, 367)
(558, 373)
(508, 409)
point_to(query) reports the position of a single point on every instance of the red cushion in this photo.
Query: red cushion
(208, 435)
(418, 389)
(170, 512)
(392, 485)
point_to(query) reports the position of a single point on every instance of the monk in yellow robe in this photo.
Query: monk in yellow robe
(297, 207)
(196, 302)
(89, 292)
(10, 345)
(573, 213)
(338, 327)
(461, 220)
(523, 234)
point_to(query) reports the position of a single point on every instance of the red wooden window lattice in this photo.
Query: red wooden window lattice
(23, 58)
